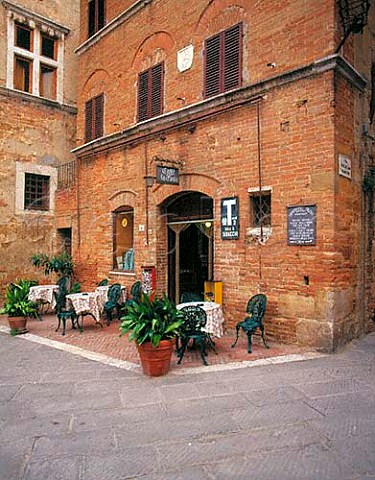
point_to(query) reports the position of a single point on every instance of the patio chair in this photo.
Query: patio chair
(191, 297)
(256, 308)
(103, 282)
(63, 314)
(195, 320)
(113, 302)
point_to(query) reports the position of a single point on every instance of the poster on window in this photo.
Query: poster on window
(229, 218)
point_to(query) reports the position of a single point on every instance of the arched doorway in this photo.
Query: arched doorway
(190, 242)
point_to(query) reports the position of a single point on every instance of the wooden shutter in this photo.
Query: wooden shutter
(156, 90)
(143, 96)
(101, 14)
(232, 57)
(88, 120)
(91, 18)
(98, 116)
(212, 66)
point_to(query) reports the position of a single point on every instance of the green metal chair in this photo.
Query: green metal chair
(195, 320)
(103, 282)
(63, 314)
(113, 302)
(256, 308)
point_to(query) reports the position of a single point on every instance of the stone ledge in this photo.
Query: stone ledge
(40, 101)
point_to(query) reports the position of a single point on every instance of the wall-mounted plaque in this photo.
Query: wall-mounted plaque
(185, 58)
(302, 225)
(167, 175)
(345, 166)
(229, 218)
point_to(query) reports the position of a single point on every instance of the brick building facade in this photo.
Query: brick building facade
(271, 134)
(38, 71)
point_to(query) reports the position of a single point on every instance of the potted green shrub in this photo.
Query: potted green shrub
(153, 325)
(17, 305)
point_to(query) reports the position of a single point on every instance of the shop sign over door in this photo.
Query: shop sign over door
(167, 175)
(229, 218)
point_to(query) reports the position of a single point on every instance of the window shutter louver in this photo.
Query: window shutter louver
(212, 66)
(88, 120)
(143, 96)
(156, 90)
(99, 111)
(232, 58)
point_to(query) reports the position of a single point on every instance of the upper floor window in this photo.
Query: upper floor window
(150, 92)
(223, 61)
(94, 118)
(96, 16)
(35, 55)
(36, 193)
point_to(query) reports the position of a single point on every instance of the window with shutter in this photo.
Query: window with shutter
(223, 61)
(150, 92)
(94, 118)
(96, 16)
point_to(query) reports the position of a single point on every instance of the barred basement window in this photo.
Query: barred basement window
(223, 61)
(150, 92)
(94, 118)
(260, 209)
(36, 192)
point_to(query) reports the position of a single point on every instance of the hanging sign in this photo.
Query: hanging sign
(167, 175)
(302, 225)
(229, 218)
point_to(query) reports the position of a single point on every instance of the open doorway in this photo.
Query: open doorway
(190, 243)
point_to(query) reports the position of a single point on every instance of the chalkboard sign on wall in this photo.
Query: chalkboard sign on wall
(302, 225)
(167, 175)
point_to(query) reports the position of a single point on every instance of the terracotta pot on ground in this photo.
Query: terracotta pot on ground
(156, 361)
(18, 323)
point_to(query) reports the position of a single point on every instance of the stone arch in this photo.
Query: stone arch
(96, 83)
(219, 15)
(154, 49)
(121, 198)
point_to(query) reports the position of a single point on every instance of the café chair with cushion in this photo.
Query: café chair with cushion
(191, 297)
(113, 302)
(63, 313)
(256, 308)
(191, 330)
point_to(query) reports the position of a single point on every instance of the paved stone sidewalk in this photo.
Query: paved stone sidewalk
(66, 417)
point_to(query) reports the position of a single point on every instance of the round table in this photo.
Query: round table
(215, 318)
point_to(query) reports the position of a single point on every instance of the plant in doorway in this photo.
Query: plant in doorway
(18, 307)
(153, 325)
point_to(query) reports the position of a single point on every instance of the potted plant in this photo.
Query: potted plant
(153, 325)
(18, 307)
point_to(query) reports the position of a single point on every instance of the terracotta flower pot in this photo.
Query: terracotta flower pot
(156, 360)
(18, 323)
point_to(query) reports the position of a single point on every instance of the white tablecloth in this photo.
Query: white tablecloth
(215, 318)
(102, 292)
(86, 303)
(43, 294)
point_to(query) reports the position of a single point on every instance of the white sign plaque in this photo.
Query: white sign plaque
(185, 58)
(345, 166)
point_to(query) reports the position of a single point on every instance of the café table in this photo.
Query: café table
(86, 303)
(43, 294)
(215, 318)
(102, 292)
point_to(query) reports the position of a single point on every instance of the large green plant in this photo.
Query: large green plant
(17, 303)
(151, 320)
(61, 264)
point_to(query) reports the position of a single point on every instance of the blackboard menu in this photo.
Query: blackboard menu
(302, 225)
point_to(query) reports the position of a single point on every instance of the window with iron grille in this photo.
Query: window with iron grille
(150, 92)
(96, 16)
(260, 209)
(36, 192)
(223, 61)
(94, 118)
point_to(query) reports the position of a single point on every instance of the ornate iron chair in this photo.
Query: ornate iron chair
(113, 302)
(256, 308)
(195, 320)
(63, 284)
(103, 282)
(63, 314)
(191, 297)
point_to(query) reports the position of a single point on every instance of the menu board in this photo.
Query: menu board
(302, 225)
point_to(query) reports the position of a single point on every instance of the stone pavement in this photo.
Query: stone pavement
(63, 416)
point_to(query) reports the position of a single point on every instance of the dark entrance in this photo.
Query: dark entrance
(190, 243)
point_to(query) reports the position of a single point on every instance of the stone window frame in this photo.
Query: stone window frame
(118, 265)
(40, 27)
(21, 169)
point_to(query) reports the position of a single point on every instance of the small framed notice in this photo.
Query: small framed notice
(345, 166)
(301, 225)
